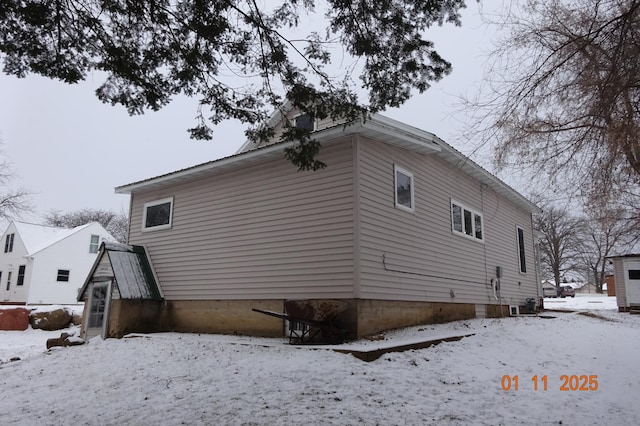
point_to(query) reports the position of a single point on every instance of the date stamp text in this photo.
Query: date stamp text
(567, 383)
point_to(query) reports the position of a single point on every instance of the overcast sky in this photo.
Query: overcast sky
(71, 150)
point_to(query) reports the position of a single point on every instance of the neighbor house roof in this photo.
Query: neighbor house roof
(38, 237)
(395, 133)
(131, 269)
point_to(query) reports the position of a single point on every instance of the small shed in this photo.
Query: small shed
(121, 282)
(626, 271)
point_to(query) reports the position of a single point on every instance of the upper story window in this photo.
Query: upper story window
(94, 244)
(8, 244)
(157, 214)
(305, 122)
(521, 251)
(63, 275)
(466, 221)
(404, 189)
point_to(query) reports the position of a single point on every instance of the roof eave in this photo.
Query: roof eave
(397, 133)
(256, 154)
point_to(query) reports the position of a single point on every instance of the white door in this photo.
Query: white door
(632, 282)
(97, 310)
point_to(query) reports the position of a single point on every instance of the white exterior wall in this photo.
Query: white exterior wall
(10, 262)
(71, 253)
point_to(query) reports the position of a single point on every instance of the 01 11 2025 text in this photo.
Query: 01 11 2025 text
(568, 383)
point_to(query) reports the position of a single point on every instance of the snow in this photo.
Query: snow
(173, 379)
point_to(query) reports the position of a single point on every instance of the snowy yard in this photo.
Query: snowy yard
(173, 379)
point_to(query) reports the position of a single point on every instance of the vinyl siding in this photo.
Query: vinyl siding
(427, 259)
(267, 232)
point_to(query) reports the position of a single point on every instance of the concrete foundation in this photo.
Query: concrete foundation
(361, 318)
(374, 316)
(222, 316)
(134, 316)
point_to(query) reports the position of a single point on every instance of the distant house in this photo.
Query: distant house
(584, 288)
(626, 271)
(399, 224)
(47, 265)
(549, 289)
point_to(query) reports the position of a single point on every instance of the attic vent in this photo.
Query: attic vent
(305, 122)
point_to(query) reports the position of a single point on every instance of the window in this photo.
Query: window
(305, 122)
(157, 215)
(404, 189)
(8, 244)
(521, 252)
(21, 269)
(634, 274)
(94, 244)
(466, 221)
(9, 280)
(63, 275)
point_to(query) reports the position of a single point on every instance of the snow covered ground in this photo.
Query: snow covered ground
(174, 379)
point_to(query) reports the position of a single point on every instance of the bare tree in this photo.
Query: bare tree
(13, 202)
(117, 224)
(559, 242)
(563, 93)
(603, 231)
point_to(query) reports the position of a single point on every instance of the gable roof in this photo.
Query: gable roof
(38, 237)
(132, 271)
(392, 131)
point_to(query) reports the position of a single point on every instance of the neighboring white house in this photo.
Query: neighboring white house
(47, 265)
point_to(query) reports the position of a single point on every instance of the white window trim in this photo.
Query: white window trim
(155, 203)
(404, 171)
(518, 228)
(473, 222)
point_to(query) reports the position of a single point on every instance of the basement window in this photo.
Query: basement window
(157, 215)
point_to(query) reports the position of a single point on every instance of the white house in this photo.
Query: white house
(47, 265)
